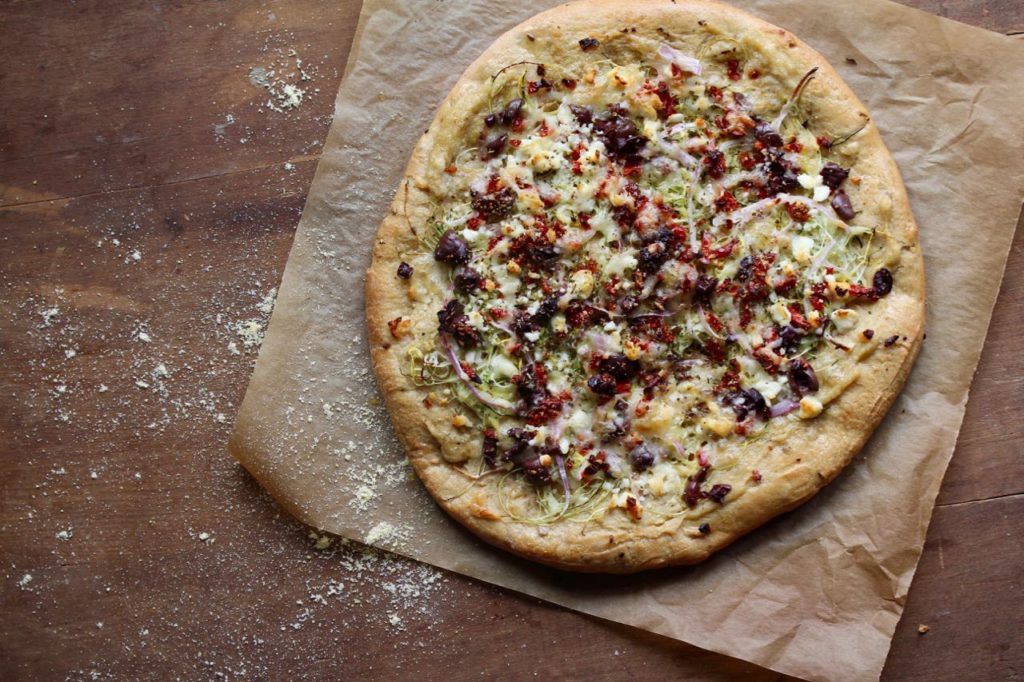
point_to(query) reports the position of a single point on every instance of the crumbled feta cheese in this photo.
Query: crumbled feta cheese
(810, 407)
(844, 319)
(780, 313)
(800, 246)
(583, 283)
(809, 181)
(503, 367)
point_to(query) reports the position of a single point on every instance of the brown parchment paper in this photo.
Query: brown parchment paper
(816, 593)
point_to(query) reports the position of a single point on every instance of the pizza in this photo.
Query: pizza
(651, 279)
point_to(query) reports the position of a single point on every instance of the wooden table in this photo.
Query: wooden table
(148, 196)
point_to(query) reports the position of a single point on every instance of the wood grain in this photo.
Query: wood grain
(135, 127)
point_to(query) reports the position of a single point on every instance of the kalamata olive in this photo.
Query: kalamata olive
(511, 111)
(641, 458)
(522, 324)
(802, 378)
(843, 207)
(622, 139)
(535, 471)
(542, 254)
(747, 401)
(833, 175)
(546, 310)
(579, 315)
(692, 492)
(766, 135)
(404, 270)
(602, 384)
(715, 162)
(583, 115)
(466, 279)
(495, 206)
(452, 319)
(651, 257)
(489, 448)
(657, 249)
(629, 304)
(746, 265)
(882, 282)
(704, 289)
(588, 44)
(782, 174)
(494, 146)
(619, 366)
(506, 116)
(451, 249)
(528, 387)
(790, 337)
(718, 492)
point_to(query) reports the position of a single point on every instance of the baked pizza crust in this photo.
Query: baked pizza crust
(796, 458)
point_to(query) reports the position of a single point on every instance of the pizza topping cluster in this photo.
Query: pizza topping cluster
(644, 274)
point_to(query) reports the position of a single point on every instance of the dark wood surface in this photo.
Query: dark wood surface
(136, 129)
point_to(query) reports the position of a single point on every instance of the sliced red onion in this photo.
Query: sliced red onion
(565, 482)
(556, 429)
(599, 342)
(744, 215)
(672, 130)
(603, 310)
(501, 327)
(784, 407)
(640, 316)
(490, 401)
(683, 61)
(788, 106)
(694, 243)
(734, 179)
(820, 260)
(678, 154)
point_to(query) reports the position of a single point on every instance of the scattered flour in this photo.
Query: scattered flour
(220, 129)
(284, 80)
(49, 315)
(266, 304)
(387, 534)
(251, 332)
(396, 589)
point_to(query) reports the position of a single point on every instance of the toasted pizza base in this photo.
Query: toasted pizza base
(796, 458)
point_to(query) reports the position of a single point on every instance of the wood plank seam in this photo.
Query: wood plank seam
(946, 505)
(159, 185)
